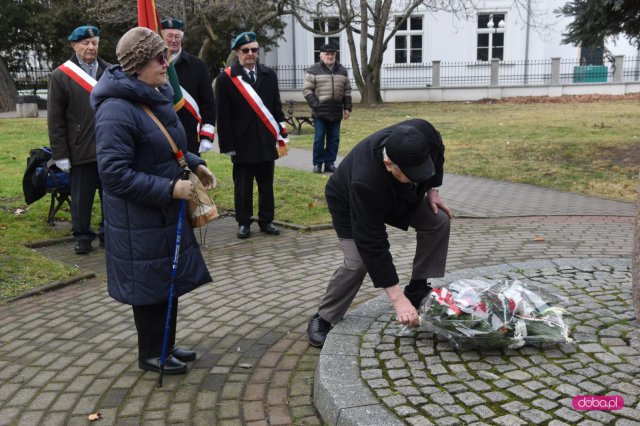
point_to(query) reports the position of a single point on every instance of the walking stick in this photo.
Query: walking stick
(174, 268)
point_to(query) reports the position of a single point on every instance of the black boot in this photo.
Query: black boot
(183, 355)
(317, 330)
(416, 293)
(172, 365)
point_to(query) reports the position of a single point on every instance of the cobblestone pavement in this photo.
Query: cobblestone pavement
(72, 352)
(423, 379)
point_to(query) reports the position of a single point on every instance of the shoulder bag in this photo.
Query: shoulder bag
(200, 210)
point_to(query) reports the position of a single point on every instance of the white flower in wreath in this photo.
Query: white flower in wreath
(519, 334)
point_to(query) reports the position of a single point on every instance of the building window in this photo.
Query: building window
(408, 40)
(326, 24)
(490, 36)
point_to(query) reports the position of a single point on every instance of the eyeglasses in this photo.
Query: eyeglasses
(173, 37)
(162, 58)
(249, 49)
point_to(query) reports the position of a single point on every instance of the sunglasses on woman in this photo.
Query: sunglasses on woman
(249, 49)
(162, 58)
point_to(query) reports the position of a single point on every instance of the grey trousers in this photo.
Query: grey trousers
(432, 244)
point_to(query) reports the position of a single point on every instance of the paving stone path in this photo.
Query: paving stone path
(72, 352)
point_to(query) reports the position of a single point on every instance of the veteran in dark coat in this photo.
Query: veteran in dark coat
(193, 75)
(390, 178)
(70, 121)
(248, 139)
(143, 192)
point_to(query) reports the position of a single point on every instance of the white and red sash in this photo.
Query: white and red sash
(78, 75)
(204, 130)
(254, 100)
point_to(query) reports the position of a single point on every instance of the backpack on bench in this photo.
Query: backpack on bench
(41, 175)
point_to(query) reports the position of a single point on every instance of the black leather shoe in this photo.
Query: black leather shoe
(416, 296)
(317, 169)
(317, 330)
(82, 247)
(183, 354)
(329, 168)
(244, 231)
(172, 365)
(270, 229)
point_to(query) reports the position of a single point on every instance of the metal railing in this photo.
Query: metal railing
(440, 74)
(30, 81)
(498, 73)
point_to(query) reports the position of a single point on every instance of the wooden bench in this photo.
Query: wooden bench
(296, 118)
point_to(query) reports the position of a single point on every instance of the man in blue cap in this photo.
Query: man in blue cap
(251, 130)
(71, 129)
(199, 115)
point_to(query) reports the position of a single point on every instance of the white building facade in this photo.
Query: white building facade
(497, 28)
(446, 49)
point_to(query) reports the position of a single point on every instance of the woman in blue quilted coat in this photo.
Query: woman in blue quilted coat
(142, 193)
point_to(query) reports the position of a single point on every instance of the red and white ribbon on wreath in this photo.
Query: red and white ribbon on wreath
(444, 298)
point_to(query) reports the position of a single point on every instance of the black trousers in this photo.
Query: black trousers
(150, 321)
(243, 177)
(84, 182)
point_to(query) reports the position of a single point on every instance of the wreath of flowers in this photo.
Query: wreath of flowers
(493, 314)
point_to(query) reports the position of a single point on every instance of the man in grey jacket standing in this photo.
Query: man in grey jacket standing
(72, 132)
(328, 92)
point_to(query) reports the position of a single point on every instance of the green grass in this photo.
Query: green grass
(299, 196)
(590, 148)
(22, 268)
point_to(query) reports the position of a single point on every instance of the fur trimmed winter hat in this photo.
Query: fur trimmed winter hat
(138, 46)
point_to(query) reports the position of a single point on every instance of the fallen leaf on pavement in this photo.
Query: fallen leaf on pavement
(245, 365)
(538, 239)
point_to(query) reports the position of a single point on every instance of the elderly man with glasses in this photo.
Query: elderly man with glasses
(72, 132)
(251, 130)
(198, 116)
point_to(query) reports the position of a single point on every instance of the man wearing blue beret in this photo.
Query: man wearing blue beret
(199, 116)
(251, 130)
(71, 130)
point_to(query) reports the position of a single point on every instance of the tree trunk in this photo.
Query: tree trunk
(635, 275)
(370, 92)
(7, 90)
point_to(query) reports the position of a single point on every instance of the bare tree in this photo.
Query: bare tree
(7, 90)
(376, 23)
